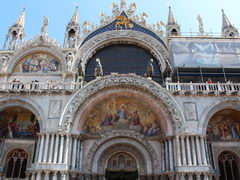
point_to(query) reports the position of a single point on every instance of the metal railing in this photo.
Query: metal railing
(40, 86)
(220, 87)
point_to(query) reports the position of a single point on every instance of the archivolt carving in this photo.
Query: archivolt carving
(89, 48)
(121, 133)
(37, 44)
(120, 80)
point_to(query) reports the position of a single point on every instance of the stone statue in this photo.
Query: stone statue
(86, 27)
(103, 18)
(201, 28)
(132, 8)
(159, 29)
(123, 4)
(143, 18)
(44, 27)
(98, 69)
(81, 73)
(115, 9)
(69, 59)
(3, 61)
(150, 70)
(71, 41)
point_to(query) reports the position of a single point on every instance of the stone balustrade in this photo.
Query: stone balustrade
(40, 86)
(204, 88)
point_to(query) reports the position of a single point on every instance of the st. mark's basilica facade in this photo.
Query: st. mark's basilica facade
(122, 100)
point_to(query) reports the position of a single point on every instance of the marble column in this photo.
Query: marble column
(41, 149)
(198, 176)
(198, 151)
(203, 151)
(81, 154)
(194, 158)
(170, 154)
(46, 176)
(33, 176)
(163, 157)
(56, 148)
(190, 176)
(189, 158)
(178, 154)
(74, 154)
(184, 163)
(54, 175)
(166, 155)
(50, 158)
(66, 149)
(38, 176)
(46, 148)
(36, 150)
(206, 177)
(60, 160)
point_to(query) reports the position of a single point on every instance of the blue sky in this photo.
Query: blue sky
(60, 12)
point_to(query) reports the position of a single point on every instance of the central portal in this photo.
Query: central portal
(121, 166)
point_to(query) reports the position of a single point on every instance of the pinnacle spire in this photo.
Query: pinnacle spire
(171, 20)
(21, 19)
(225, 20)
(75, 18)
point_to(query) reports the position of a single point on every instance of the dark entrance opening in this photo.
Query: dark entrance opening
(121, 175)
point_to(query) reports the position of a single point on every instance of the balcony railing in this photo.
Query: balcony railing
(40, 86)
(228, 88)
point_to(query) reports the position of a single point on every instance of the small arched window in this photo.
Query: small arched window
(16, 164)
(228, 166)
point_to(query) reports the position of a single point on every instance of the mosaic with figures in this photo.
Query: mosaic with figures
(224, 127)
(122, 113)
(38, 62)
(18, 123)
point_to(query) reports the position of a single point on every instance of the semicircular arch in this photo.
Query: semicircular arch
(36, 46)
(156, 48)
(213, 109)
(27, 104)
(68, 117)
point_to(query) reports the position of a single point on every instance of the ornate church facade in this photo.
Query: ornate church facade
(123, 100)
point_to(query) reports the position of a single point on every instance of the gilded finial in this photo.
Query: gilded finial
(75, 18)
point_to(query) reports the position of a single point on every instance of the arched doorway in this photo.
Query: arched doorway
(121, 166)
(228, 166)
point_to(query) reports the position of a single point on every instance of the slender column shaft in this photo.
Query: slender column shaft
(166, 155)
(198, 151)
(50, 158)
(194, 158)
(54, 176)
(74, 153)
(170, 154)
(61, 149)
(188, 151)
(174, 152)
(206, 177)
(163, 157)
(190, 177)
(56, 149)
(38, 176)
(67, 150)
(33, 176)
(178, 151)
(46, 176)
(81, 154)
(37, 149)
(203, 151)
(70, 150)
(41, 149)
(46, 148)
(183, 151)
